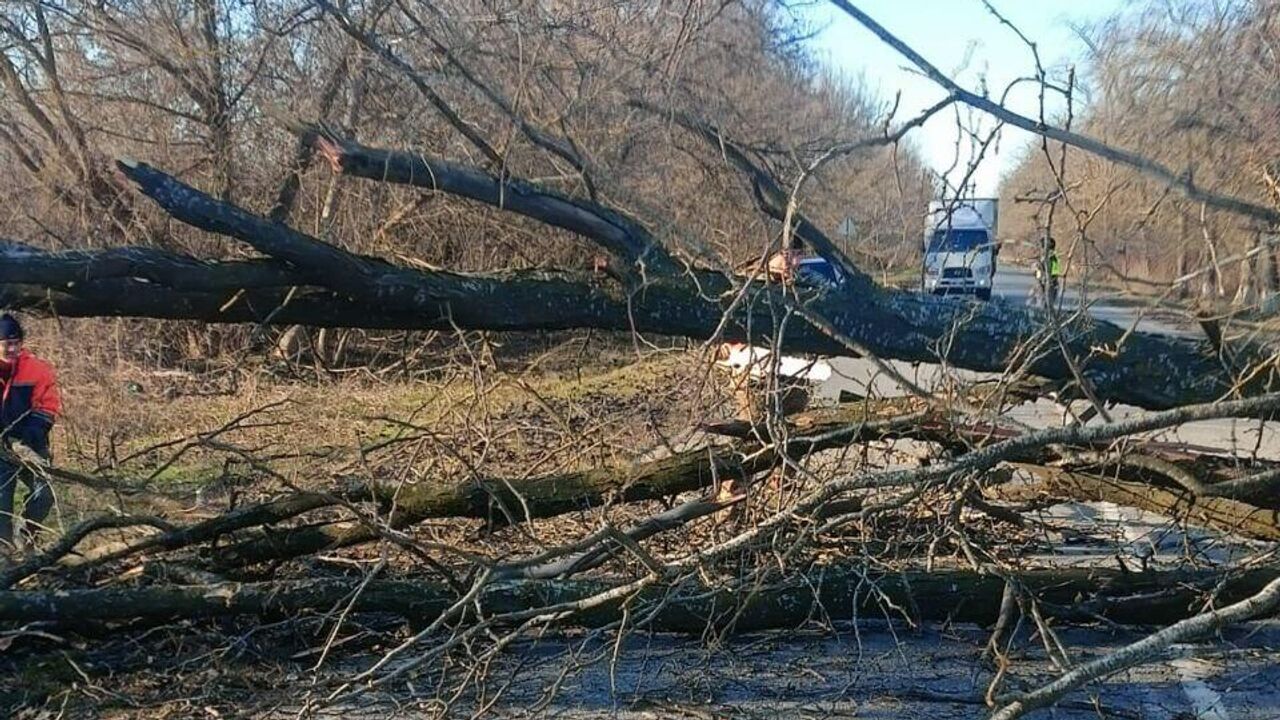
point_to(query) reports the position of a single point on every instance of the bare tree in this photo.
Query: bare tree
(466, 168)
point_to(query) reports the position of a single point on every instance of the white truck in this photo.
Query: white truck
(960, 247)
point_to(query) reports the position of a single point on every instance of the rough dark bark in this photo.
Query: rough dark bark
(148, 283)
(824, 593)
(620, 235)
(1147, 371)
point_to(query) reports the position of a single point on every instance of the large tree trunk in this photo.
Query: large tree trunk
(1144, 370)
(831, 592)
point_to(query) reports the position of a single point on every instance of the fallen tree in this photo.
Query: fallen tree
(271, 531)
(665, 570)
(823, 594)
(1229, 516)
(1140, 369)
(510, 501)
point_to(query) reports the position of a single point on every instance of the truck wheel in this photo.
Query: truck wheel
(984, 294)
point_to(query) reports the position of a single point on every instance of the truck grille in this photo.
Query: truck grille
(955, 272)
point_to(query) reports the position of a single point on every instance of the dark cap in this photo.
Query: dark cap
(10, 328)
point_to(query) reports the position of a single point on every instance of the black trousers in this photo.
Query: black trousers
(35, 435)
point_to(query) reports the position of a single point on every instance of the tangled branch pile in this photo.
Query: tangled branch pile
(922, 506)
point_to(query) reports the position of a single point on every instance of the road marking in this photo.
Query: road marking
(1205, 702)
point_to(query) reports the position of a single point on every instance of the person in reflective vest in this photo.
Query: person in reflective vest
(1049, 273)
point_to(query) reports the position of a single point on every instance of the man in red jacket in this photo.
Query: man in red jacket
(30, 404)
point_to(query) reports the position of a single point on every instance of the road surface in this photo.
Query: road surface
(841, 376)
(874, 671)
(1013, 284)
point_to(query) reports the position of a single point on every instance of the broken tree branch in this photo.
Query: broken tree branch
(1183, 183)
(1261, 604)
(1136, 368)
(1222, 514)
(516, 500)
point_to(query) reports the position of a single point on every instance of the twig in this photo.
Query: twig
(1143, 650)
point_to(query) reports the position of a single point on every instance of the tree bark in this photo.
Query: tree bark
(516, 500)
(1145, 370)
(1226, 515)
(840, 594)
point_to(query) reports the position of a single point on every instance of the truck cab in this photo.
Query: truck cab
(960, 247)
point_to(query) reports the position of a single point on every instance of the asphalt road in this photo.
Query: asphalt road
(1014, 284)
(875, 671)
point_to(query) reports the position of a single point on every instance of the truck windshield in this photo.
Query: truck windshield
(957, 240)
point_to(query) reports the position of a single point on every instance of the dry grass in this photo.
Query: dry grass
(196, 435)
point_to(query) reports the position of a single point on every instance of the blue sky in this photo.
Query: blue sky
(966, 41)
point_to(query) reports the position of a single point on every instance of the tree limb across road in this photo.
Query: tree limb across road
(841, 593)
(322, 284)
